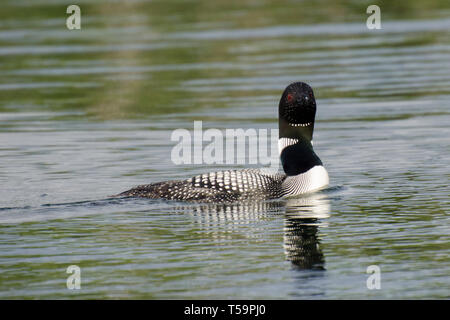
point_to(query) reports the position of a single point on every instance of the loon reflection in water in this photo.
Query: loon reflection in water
(303, 218)
(301, 240)
(303, 169)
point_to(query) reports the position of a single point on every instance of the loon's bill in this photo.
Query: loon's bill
(303, 169)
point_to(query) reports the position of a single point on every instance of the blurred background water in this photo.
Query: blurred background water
(88, 113)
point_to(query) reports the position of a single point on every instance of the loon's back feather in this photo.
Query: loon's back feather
(221, 186)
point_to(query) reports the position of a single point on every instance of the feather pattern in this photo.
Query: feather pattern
(222, 186)
(233, 185)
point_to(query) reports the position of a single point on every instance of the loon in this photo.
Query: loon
(303, 169)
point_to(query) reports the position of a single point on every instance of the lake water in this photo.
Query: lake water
(85, 114)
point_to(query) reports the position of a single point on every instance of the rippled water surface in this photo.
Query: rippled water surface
(88, 113)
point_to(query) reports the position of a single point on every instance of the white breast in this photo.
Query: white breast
(314, 179)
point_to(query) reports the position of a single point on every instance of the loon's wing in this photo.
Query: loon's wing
(222, 186)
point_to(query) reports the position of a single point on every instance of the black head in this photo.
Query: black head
(297, 111)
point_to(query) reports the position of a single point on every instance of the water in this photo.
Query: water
(87, 114)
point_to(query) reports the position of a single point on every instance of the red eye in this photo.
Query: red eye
(289, 97)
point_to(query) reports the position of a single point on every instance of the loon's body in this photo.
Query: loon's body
(303, 170)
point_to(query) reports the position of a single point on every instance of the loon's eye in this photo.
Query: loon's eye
(290, 97)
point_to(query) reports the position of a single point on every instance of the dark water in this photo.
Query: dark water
(88, 113)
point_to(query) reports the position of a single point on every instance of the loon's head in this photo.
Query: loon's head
(297, 111)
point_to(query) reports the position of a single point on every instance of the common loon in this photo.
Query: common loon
(303, 170)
